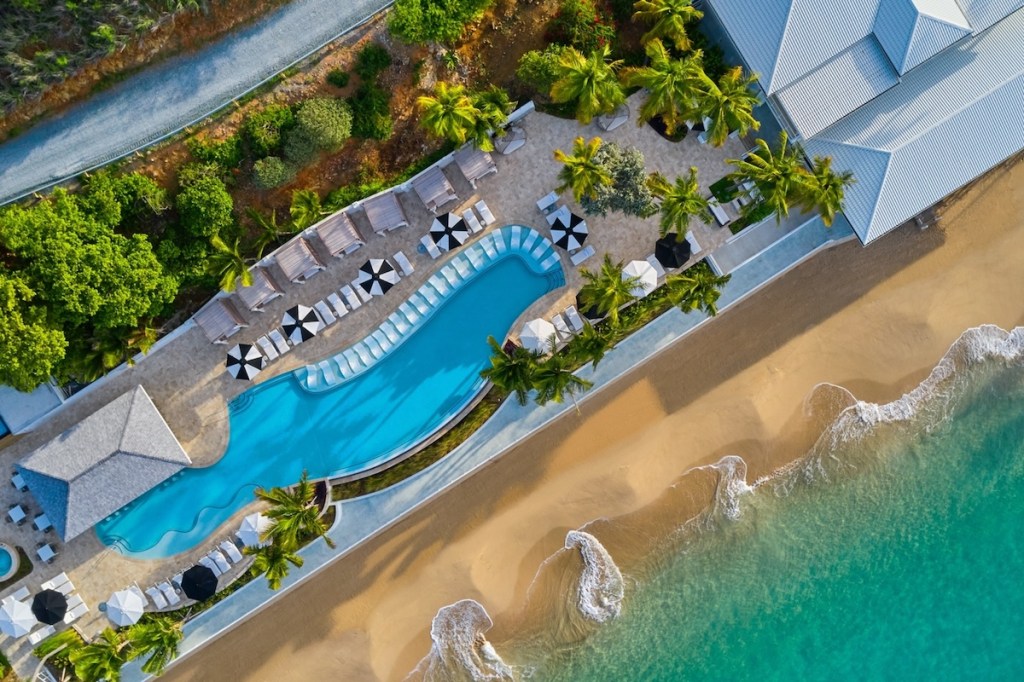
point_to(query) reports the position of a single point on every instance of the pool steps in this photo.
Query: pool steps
(534, 248)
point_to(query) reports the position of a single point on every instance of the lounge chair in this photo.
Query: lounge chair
(65, 589)
(337, 304)
(157, 598)
(470, 217)
(716, 210)
(268, 348)
(582, 255)
(350, 297)
(279, 341)
(21, 594)
(75, 613)
(231, 550)
(572, 316)
(657, 266)
(219, 559)
(328, 371)
(430, 247)
(561, 327)
(169, 594)
(694, 245)
(74, 600)
(404, 265)
(176, 581)
(55, 581)
(562, 212)
(39, 635)
(546, 204)
(361, 292)
(210, 564)
(485, 212)
(326, 316)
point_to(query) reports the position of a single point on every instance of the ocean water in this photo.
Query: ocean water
(893, 551)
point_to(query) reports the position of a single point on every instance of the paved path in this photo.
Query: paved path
(176, 93)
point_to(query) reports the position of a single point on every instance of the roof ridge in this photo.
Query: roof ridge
(778, 52)
(128, 414)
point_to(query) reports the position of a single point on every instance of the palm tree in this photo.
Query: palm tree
(589, 345)
(777, 175)
(494, 106)
(157, 638)
(680, 201)
(293, 514)
(104, 350)
(227, 263)
(697, 288)
(588, 81)
(511, 372)
(102, 659)
(449, 113)
(606, 291)
(672, 85)
(273, 560)
(822, 190)
(270, 231)
(729, 104)
(142, 338)
(669, 19)
(305, 208)
(580, 172)
(554, 379)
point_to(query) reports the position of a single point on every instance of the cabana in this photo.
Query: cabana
(385, 213)
(219, 320)
(474, 163)
(433, 188)
(262, 290)
(338, 234)
(297, 260)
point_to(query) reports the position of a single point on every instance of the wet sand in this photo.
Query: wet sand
(874, 320)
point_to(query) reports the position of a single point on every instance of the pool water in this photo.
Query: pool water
(6, 561)
(278, 429)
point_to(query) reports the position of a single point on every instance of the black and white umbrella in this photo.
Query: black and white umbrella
(376, 276)
(449, 231)
(300, 323)
(244, 362)
(199, 583)
(49, 606)
(570, 234)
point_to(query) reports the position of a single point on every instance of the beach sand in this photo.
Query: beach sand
(874, 320)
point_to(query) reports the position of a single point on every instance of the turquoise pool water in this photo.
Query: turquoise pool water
(6, 561)
(278, 428)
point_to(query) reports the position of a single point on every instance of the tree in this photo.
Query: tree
(371, 60)
(293, 513)
(139, 199)
(511, 372)
(325, 122)
(269, 231)
(204, 204)
(30, 349)
(672, 86)
(227, 264)
(680, 201)
(273, 561)
(554, 379)
(628, 192)
(157, 638)
(590, 82)
(493, 106)
(539, 68)
(606, 291)
(822, 189)
(271, 171)
(589, 345)
(729, 105)
(265, 128)
(305, 209)
(696, 288)
(449, 113)
(581, 172)
(433, 21)
(668, 18)
(777, 175)
(101, 659)
(371, 112)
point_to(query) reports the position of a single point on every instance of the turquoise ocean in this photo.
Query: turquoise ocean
(894, 550)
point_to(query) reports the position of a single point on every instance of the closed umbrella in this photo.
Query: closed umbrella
(199, 583)
(449, 231)
(124, 608)
(252, 529)
(569, 234)
(645, 275)
(536, 335)
(244, 362)
(377, 276)
(49, 606)
(16, 618)
(300, 323)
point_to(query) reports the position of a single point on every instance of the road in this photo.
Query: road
(162, 100)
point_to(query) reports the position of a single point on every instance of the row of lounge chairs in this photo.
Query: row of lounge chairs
(166, 594)
(475, 225)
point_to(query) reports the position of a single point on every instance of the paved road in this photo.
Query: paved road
(174, 94)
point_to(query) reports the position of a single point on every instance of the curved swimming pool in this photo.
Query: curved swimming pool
(279, 428)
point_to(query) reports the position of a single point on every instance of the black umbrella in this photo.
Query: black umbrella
(570, 234)
(376, 276)
(49, 607)
(244, 362)
(449, 231)
(591, 313)
(199, 583)
(670, 252)
(300, 323)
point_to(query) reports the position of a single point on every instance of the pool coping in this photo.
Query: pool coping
(12, 551)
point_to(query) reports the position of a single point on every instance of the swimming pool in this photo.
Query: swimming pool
(280, 428)
(8, 561)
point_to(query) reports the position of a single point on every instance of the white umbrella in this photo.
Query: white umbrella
(252, 529)
(16, 618)
(125, 608)
(376, 276)
(645, 275)
(244, 362)
(300, 323)
(537, 335)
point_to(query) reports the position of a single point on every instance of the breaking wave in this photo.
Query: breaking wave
(600, 585)
(460, 651)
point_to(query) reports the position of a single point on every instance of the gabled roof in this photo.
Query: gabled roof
(911, 31)
(102, 463)
(984, 13)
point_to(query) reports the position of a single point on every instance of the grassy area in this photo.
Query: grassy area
(24, 568)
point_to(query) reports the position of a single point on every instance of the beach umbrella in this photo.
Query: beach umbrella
(300, 323)
(125, 608)
(16, 618)
(199, 583)
(252, 529)
(449, 231)
(49, 606)
(670, 252)
(244, 362)
(569, 234)
(536, 335)
(376, 276)
(646, 276)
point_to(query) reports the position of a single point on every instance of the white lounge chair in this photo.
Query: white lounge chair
(562, 212)
(716, 210)
(582, 255)
(547, 203)
(75, 613)
(430, 247)
(157, 598)
(561, 327)
(210, 564)
(40, 634)
(470, 217)
(279, 341)
(55, 581)
(268, 348)
(219, 559)
(338, 305)
(325, 313)
(361, 292)
(485, 212)
(75, 600)
(404, 264)
(694, 245)
(658, 269)
(231, 550)
(169, 594)
(350, 297)
(65, 588)
(572, 316)
(21, 594)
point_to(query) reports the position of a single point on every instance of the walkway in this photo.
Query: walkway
(174, 94)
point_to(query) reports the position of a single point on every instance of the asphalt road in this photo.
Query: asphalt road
(162, 100)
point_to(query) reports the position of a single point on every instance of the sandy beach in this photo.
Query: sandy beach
(874, 320)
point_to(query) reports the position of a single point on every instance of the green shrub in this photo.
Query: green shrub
(264, 129)
(434, 21)
(326, 122)
(371, 114)
(371, 60)
(338, 78)
(581, 24)
(299, 149)
(203, 202)
(226, 154)
(271, 172)
(539, 68)
(69, 639)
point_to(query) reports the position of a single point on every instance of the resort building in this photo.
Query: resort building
(916, 98)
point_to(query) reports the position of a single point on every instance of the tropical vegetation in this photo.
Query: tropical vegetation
(588, 82)
(433, 21)
(606, 291)
(673, 85)
(581, 171)
(456, 114)
(628, 193)
(729, 105)
(680, 201)
(668, 20)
